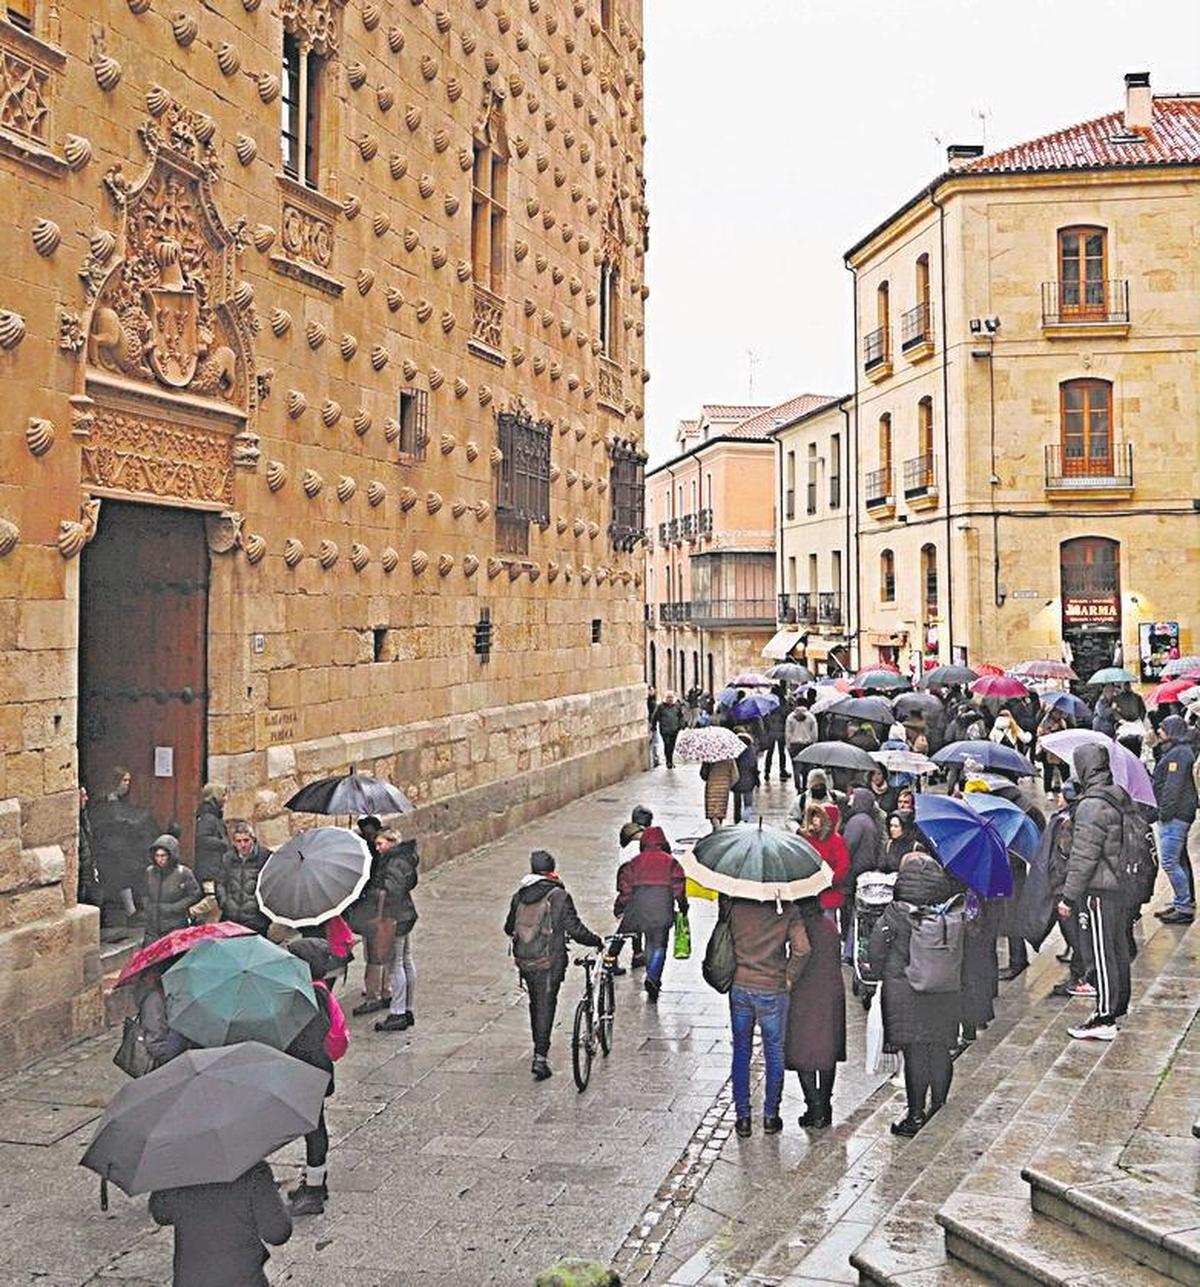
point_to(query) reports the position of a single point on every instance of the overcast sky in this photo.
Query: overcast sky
(780, 131)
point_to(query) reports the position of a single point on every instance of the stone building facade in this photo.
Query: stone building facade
(321, 334)
(1026, 445)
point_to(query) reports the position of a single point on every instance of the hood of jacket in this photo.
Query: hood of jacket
(1174, 728)
(862, 800)
(214, 807)
(533, 888)
(1091, 766)
(923, 881)
(171, 845)
(655, 838)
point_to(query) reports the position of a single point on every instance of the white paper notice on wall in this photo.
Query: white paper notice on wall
(164, 761)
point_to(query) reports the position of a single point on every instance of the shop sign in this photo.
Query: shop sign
(1158, 643)
(1091, 610)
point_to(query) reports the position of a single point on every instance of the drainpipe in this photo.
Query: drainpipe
(945, 436)
(779, 526)
(992, 476)
(856, 655)
(846, 475)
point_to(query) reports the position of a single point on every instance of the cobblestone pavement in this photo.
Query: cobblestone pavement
(448, 1163)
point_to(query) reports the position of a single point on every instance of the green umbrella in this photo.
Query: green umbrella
(1113, 675)
(749, 860)
(239, 989)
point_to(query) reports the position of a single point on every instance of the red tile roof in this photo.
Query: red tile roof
(767, 419)
(1172, 139)
(722, 411)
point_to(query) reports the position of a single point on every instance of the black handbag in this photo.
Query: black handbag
(132, 1057)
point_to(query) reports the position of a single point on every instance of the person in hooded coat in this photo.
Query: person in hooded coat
(923, 1025)
(748, 778)
(171, 889)
(819, 831)
(862, 832)
(649, 888)
(816, 1024)
(211, 841)
(162, 1042)
(902, 839)
(543, 982)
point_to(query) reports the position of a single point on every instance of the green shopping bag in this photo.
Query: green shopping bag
(683, 937)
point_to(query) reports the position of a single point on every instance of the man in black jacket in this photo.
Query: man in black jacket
(541, 918)
(1094, 891)
(236, 885)
(669, 718)
(1175, 791)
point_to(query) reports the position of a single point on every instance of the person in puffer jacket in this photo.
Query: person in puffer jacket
(236, 885)
(1094, 890)
(170, 890)
(649, 888)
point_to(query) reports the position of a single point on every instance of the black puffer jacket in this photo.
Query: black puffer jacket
(237, 886)
(211, 840)
(399, 880)
(170, 891)
(1094, 864)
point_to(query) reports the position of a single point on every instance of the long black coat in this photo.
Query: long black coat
(909, 1017)
(211, 840)
(816, 1026)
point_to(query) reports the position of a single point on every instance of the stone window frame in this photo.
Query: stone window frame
(41, 66)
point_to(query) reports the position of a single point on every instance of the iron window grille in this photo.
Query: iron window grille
(523, 482)
(414, 424)
(627, 487)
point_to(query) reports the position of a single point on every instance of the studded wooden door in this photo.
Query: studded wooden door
(143, 680)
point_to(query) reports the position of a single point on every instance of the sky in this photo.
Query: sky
(781, 131)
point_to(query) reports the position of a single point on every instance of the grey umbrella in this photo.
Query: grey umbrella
(313, 876)
(205, 1118)
(907, 704)
(352, 792)
(837, 755)
(875, 710)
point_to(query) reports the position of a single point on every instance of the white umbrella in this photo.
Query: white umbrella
(899, 761)
(708, 745)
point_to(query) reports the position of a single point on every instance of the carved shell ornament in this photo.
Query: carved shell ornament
(445, 564)
(77, 151)
(376, 493)
(419, 561)
(346, 487)
(327, 554)
(39, 435)
(433, 502)
(108, 72)
(255, 547)
(395, 39)
(316, 334)
(494, 567)
(379, 357)
(268, 86)
(12, 329)
(10, 534)
(389, 559)
(246, 148)
(47, 236)
(351, 205)
(277, 474)
(482, 509)
(312, 482)
(293, 551)
(397, 165)
(74, 534)
(361, 421)
(348, 346)
(331, 412)
(458, 508)
(280, 321)
(228, 59)
(360, 556)
(408, 498)
(263, 237)
(296, 403)
(470, 564)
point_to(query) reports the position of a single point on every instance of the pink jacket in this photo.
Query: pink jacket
(337, 1039)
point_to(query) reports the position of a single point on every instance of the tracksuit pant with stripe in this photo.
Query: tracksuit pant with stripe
(1103, 935)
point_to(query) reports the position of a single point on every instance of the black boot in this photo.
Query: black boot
(812, 1099)
(309, 1201)
(825, 1119)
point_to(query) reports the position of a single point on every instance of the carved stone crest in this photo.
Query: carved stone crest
(314, 22)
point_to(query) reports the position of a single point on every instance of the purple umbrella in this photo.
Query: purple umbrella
(1127, 770)
(755, 706)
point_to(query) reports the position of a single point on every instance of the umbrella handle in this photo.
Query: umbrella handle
(104, 1188)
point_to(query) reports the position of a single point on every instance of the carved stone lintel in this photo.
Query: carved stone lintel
(246, 450)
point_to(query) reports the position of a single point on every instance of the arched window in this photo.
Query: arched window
(887, 577)
(929, 580)
(925, 428)
(610, 283)
(1085, 409)
(885, 441)
(882, 306)
(489, 201)
(1082, 263)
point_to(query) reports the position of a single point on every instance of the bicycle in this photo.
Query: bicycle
(595, 1011)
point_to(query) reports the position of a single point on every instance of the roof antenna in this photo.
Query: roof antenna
(751, 363)
(983, 113)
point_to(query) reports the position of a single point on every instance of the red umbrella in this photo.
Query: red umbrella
(176, 943)
(1169, 692)
(999, 686)
(988, 668)
(1044, 668)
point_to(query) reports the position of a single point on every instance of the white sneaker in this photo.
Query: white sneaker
(1094, 1032)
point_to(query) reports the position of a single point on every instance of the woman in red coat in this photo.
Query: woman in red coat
(819, 831)
(649, 888)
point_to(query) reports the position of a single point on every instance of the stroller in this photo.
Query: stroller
(871, 898)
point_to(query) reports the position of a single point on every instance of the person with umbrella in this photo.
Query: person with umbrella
(1106, 715)
(649, 888)
(774, 723)
(171, 889)
(748, 779)
(669, 720)
(1175, 791)
(1054, 720)
(236, 881)
(718, 777)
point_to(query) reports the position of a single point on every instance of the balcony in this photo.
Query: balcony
(672, 537)
(879, 498)
(798, 608)
(704, 522)
(674, 613)
(920, 481)
(829, 607)
(689, 528)
(916, 333)
(877, 354)
(732, 612)
(810, 499)
(664, 530)
(789, 503)
(1072, 309)
(1074, 472)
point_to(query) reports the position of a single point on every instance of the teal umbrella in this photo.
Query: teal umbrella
(1113, 675)
(239, 989)
(749, 860)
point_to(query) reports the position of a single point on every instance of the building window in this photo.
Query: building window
(609, 295)
(810, 496)
(929, 580)
(597, 626)
(523, 481)
(789, 491)
(812, 574)
(379, 638)
(1085, 408)
(300, 99)
(877, 343)
(606, 16)
(1082, 258)
(835, 471)
(20, 14)
(885, 442)
(627, 486)
(887, 577)
(923, 279)
(925, 428)
(489, 205)
(414, 425)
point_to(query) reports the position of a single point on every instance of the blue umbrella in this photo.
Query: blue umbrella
(967, 844)
(755, 706)
(727, 696)
(992, 755)
(1017, 829)
(1069, 705)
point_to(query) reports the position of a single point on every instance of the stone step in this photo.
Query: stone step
(1009, 1243)
(954, 1273)
(1146, 1221)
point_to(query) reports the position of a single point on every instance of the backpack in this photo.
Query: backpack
(935, 953)
(337, 1039)
(1139, 863)
(533, 935)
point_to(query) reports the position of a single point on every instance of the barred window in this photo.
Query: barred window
(523, 484)
(627, 486)
(414, 425)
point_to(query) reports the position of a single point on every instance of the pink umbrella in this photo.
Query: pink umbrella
(750, 679)
(999, 686)
(989, 668)
(1169, 692)
(1127, 770)
(1044, 668)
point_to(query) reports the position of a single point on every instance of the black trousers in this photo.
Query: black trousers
(316, 1142)
(1078, 964)
(928, 1071)
(669, 740)
(1018, 952)
(542, 986)
(817, 1087)
(777, 744)
(1104, 938)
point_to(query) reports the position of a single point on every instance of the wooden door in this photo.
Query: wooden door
(143, 680)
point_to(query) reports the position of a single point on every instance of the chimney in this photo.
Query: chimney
(1138, 101)
(959, 155)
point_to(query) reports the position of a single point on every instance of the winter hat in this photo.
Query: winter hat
(541, 863)
(642, 816)
(316, 955)
(630, 831)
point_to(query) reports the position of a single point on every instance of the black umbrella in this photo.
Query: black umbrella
(205, 1118)
(313, 876)
(837, 755)
(947, 675)
(353, 793)
(790, 672)
(875, 710)
(915, 704)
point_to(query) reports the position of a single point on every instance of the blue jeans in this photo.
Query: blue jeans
(769, 1010)
(1172, 847)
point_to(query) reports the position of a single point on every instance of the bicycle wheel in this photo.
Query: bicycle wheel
(582, 1045)
(606, 1009)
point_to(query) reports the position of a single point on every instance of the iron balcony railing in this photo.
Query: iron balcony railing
(915, 326)
(1086, 301)
(705, 522)
(688, 527)
(669, 613)
(877, 347)
(717, 612)
(920, 475)
(799, 607)
(663, 532)
(829, 607)
(1090, 580)
(878, 486)
(789, 503)
(673, 531)
(1078, 469)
